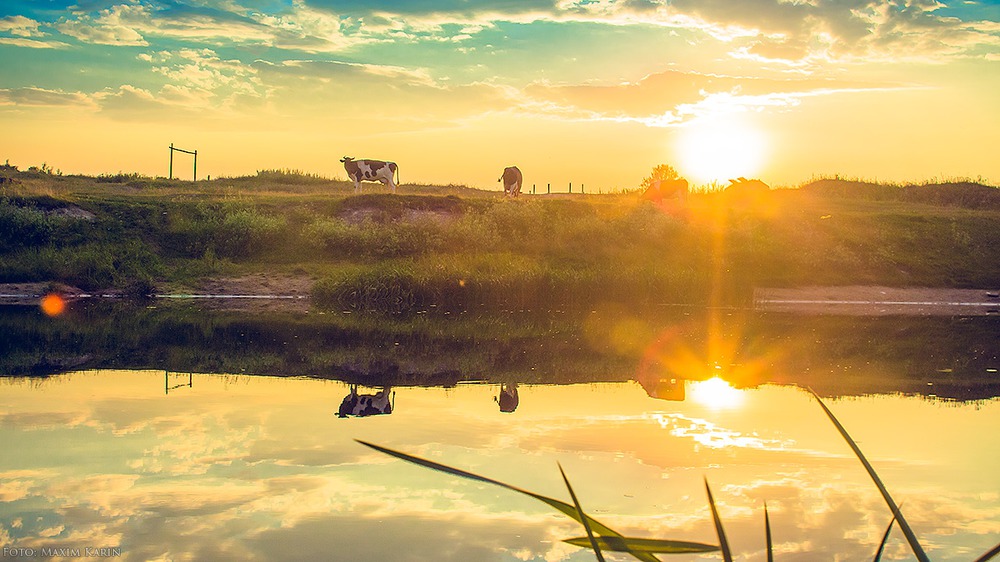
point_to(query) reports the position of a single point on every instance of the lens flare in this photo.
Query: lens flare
(53, 305)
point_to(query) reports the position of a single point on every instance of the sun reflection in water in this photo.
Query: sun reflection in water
(715, 393)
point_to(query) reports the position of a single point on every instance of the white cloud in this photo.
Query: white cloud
(114, 26)
(26, 33)
(204, 70)
(20, 26)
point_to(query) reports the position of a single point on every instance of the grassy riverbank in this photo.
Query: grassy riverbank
(459, 247)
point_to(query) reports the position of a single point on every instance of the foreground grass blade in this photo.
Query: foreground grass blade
(767, 534)
(561, 506)
(885, 537)
(727, 555)
(557, 504)
(652, 546)
(583, 518)
(911, 538)
(989, 555)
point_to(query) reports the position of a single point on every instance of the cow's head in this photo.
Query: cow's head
(346, 159)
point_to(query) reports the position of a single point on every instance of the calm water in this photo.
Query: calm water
(166, 466)
(117, 434)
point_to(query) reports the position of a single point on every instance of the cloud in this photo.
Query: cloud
(32, 43)
(136, 24)
(773, 29)
(20, 26)
(408, 538)
(336, 71)
(674, 97)
(372, 97)
(130, 101)
(113, 26)
(26, 33)
(40, 97)
(204, 70)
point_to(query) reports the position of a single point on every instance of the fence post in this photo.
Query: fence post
(581, 188)
(532, 189)
(548, 188)
(571, 187)
(170, 172)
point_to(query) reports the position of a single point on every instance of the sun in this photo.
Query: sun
(719, 149)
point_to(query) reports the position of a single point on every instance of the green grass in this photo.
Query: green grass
(459, 247)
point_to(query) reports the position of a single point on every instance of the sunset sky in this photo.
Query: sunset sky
(588, 91)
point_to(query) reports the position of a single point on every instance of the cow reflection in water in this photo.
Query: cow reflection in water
(663, 388)
(362, 405)
(507, 399)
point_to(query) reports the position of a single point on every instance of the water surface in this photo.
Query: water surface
(177, 466)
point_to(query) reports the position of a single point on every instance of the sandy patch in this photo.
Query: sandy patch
(259, 292)
(258, 285)
(879, 301)
(31, 293)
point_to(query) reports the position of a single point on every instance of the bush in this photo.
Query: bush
(23, 227)
(383, 288)
(230, 231)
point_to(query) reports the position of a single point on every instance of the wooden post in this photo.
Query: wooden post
(571, 187)
(532, 189)
(581, 188)
(548, 188)
(170, 174)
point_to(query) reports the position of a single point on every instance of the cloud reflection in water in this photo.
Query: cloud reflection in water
(262, 469)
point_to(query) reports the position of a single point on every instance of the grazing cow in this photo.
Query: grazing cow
(747, 193)
(658, 190)
(371, 170)
(511, 179)
(743, 186)
(663, 389)
(508, 399)
(362, 405)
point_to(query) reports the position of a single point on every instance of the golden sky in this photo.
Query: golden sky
(587, 91)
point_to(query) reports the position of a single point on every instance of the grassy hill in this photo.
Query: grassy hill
(455, 246)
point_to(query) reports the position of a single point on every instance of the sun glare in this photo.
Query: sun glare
(720, 149)
(715, 393)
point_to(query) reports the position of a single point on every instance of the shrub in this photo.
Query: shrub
(23, 227)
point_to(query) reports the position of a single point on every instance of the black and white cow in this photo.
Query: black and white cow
(371, 170)
(362, 405)
(511, 179)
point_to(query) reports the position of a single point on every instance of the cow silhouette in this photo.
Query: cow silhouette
(508, 399)
(512, 180)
